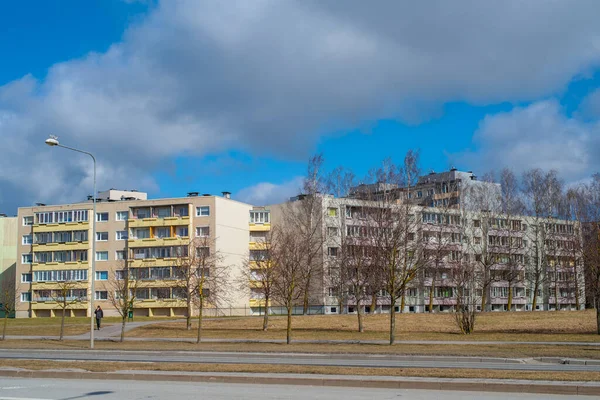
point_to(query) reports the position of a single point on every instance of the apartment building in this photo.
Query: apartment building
(8, 247)
(503, 249)
(55, 246)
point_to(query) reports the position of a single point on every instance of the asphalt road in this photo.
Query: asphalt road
(67, 389)
(332, 360)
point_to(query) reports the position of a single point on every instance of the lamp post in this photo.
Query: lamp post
(53, 141)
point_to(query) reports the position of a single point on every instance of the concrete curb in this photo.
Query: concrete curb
(564, 388)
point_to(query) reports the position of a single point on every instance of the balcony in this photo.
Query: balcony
(63, 246)
(159, 242)
(64, 226)
(160, 222)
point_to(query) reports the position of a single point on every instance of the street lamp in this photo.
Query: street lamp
(53, 141)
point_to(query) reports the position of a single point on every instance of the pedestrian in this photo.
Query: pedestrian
(99, 315)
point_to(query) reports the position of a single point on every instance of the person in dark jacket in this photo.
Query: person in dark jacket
(99, 315)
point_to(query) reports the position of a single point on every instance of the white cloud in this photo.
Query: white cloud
(537, 136)
(267, 77)
(265, 193)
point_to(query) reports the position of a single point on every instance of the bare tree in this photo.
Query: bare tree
(123, 291)
(259, 273)
(541, 192)
(8, 300)
(67, 293)
(392, 226)
(203, 278)
(591, 231)
(486, 207)
(308, 214)
(508, 238)
(288, 259)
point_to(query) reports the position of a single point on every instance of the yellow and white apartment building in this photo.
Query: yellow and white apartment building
(55, 245)
(259, 227)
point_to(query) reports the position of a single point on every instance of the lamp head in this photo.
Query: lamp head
(52, 141)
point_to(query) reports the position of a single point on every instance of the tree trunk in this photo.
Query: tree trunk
(402, 301)
(266, 316)
(598, 315)
(189, 313)
(305, 300)
(361, 328)
(535, 292)
(123, 322)
(200, 309)
(5, 323)
(62, 323)
(556, 291)
(483, 298)
(392, 321)
(288, 337)
(431, 289)
(373, 303)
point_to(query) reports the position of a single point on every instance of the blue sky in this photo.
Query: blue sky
(209, 96)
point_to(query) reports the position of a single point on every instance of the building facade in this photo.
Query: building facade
(146, 236)
(8, 248)
(520, 263)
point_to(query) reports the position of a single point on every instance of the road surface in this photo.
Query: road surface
(66, 389)
(329, 360)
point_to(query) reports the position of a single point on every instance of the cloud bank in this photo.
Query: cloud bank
(198, 77)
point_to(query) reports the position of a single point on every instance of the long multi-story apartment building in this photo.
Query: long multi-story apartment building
(517, 259)
(147, 236)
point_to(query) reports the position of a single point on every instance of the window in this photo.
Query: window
(101, 236)
(182, 231)
(332, 212)
(122, 235)
(102, 217)
(203, 211)
(260, 217)
(258, 237)
(102, 256)
(162, 232)
(28, 220)
(27, 239)
(25, 278)
(163, 212)
(182, 211)
(101, 275)
(122, 215)
(419, 194)
(202, 231)
(120, 254)
(332, 231)
(141, 213)
(411, 236)
(160, 273)
(25, 297)
(101, 295)
(412, 292)
(477, 240)
(332, 251)
(26, 258)
(141, 233)
(80, 236)
(119, 274)
(258, 255)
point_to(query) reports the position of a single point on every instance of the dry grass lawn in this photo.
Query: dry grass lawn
(561, 326)
(503, 351)
(249, 368)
